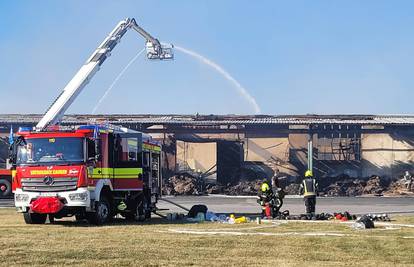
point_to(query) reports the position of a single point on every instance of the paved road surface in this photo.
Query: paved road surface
(224, 204)
(354, 205)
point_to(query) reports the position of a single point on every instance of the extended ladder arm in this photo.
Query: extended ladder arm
(155, 50)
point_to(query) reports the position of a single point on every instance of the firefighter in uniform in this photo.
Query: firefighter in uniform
(266, 197)
(308, 188)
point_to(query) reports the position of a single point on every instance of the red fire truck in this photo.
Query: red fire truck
(93, 172)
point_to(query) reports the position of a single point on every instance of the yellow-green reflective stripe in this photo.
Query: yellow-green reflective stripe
(127, 172)
(103, 171)
(305, 187)
(132, 142)
(115, 173)
(151, 147)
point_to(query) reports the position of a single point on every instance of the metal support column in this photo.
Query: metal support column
(310, 149)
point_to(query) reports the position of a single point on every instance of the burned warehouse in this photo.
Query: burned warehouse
(229, 149)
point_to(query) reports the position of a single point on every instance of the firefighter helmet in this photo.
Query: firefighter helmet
(308, 173)
(265, 187)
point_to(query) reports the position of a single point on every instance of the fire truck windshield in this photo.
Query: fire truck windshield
(46, 151)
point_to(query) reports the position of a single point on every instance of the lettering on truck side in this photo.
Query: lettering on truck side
(47, 172)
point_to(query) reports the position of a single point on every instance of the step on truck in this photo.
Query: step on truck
(92, 172)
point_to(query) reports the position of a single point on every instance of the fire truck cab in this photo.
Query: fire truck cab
(92, 172)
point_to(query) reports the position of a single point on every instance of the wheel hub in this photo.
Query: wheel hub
(3, 188)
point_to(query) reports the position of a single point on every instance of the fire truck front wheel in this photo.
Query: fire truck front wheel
(102, 212)
(34, 218)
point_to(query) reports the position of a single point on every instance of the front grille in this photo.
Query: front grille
(59, 184)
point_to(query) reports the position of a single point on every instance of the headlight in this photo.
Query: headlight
(78, 196)
(21, 197)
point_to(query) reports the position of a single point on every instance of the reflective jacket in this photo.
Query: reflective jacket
(308, 187)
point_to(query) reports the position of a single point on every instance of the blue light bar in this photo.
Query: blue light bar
(25, 129)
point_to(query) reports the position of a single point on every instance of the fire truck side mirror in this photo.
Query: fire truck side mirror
(19, 141)
(13, 151)
(12, 154)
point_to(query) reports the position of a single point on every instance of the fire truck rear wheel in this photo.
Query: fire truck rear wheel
(5, 188)
(141, 211)
(102, 212)
(34, 218)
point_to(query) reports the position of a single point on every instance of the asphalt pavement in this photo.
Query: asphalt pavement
(248, 205)
(354, 205)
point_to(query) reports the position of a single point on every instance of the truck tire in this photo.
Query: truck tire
(102, 212)
(142, 213)
(34, 218)
(139, 210)
(5, 188)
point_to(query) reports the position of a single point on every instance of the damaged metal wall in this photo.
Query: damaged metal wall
(387, 154)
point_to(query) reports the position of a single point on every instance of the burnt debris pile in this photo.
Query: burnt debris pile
(328, 186)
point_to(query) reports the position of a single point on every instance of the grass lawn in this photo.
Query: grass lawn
(203, 244)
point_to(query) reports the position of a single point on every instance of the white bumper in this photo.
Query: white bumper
(22, 199)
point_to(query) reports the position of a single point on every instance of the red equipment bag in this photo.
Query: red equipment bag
(46, 205)
(268, 211)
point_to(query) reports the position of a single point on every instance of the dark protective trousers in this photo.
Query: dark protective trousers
(310, 203)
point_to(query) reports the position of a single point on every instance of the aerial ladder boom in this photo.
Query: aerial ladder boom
(154, 49)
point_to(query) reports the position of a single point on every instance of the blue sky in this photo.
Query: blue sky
(294, 57)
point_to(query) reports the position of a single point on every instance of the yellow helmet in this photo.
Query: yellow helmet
(265, 187)
(308, 173)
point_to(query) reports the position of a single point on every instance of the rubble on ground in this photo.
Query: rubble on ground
(328, 186)
(342, 187)
(347, 186)
(181, 185)
(399, 187)
(244, 188)
(376, 185)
